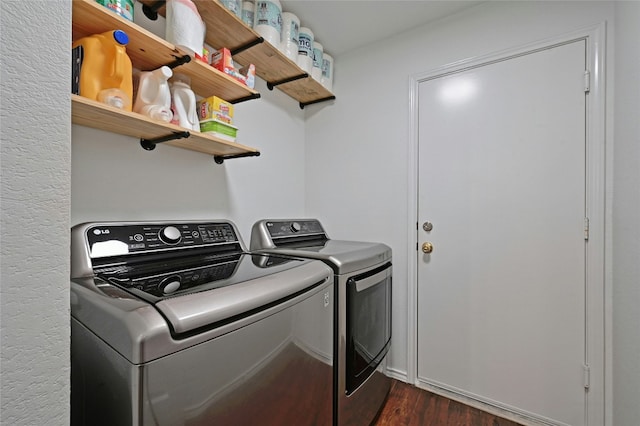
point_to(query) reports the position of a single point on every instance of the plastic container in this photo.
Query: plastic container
(219, 129)
(327, 71)
(316, 70)
(184, 26)
(248, 12)
(289, 37)
(123, 8)
(183, 103)
(153, 97)
(105, 65)
(268, 21)
(305, 49)
(234, 6)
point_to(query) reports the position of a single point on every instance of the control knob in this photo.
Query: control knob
(170, 285)
(295, 227)
(170, 235)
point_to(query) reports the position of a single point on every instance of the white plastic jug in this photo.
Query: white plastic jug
(183, 103)
(327, 71)
(268, 20)
(289, 36)
(316, 70)
(305, 49)
(247, 13)
(153, 97)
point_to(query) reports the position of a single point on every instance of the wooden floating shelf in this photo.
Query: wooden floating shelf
(87, 112)
(224, 29)
(148, 52)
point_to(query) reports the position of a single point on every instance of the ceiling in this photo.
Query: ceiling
(341, 26)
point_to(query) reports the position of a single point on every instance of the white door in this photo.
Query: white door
(501, 298)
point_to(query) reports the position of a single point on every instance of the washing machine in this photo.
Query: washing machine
(175, 323)
(362, 289)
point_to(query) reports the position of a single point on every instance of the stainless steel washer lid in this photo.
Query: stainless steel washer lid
(306, 238)
(192, 311)
(142, 331)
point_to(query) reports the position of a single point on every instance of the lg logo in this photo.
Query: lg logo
(100, 231)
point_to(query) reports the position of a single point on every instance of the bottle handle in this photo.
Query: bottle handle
(118, 62)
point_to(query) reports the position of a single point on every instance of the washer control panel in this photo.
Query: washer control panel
(122, 239)
(291, 228)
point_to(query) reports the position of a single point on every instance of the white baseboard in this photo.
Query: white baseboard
(397, 374)
(492, 407)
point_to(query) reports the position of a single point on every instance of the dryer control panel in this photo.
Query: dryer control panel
(289, 228)
(269, 233)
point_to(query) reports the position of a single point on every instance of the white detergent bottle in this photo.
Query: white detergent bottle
(153, 97)
(183, 103)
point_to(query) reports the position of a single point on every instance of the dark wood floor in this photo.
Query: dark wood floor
(410, 406)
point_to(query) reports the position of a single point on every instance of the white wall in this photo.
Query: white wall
(357, 149)
(626, 213)
(113, 178)
(36, 139)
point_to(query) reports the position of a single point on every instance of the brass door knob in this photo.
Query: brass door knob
(427, 247)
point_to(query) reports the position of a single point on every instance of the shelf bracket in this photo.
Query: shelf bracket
(246, 98)
(151, 12)
(219, 159)
(328, 98)
(244, 47)
(287, 80)
(150, 144)
(179, 61)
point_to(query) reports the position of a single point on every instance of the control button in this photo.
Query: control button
(138, 237)
(295, 227)
(170, 285)
(170, 235)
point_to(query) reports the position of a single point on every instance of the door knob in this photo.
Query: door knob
(427, 247)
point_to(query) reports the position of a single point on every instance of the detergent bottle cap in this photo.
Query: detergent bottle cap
(164, 72)
(121, 37)
(181, 79)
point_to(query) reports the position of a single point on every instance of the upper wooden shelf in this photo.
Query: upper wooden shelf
(87, 112)
(224, 29)
(148, 52)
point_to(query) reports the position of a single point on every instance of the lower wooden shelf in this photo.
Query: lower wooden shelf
(87, 112)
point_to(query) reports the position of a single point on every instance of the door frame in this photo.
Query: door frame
(597, 250)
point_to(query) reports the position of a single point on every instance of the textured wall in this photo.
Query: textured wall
(35, 199)
(626, 212)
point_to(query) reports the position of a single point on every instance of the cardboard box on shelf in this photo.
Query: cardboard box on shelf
(214, 107)
(222, 61)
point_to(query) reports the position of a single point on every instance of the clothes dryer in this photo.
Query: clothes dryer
(362, 287)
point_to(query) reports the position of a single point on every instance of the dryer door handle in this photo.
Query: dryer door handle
(365, 283)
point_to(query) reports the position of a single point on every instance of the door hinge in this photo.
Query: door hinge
(586, 229)
(587, 81)
(587, 376)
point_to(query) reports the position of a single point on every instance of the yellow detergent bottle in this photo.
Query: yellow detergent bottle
(106, 72)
